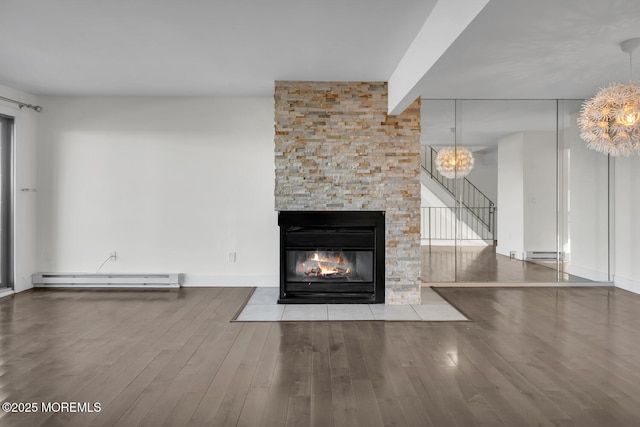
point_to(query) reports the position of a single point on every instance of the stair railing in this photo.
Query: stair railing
(438, 223)
(469, 195)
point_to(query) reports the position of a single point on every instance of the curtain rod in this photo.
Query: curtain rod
(22, 104)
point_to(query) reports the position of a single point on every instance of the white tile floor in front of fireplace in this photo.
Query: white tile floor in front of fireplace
(263, 307)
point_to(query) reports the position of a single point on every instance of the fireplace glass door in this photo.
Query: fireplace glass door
(330, 266)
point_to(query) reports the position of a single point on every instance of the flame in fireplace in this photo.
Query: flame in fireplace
(325, 266)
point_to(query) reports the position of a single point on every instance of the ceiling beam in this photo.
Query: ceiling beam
(445, 23)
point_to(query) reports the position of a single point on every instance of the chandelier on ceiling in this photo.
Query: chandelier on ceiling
(454, 162)
(610, 121)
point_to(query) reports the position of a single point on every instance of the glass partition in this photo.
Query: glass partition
(534, 206)
(584, 202)
(438, 211)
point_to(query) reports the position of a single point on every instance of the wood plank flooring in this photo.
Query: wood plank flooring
(532, 356)
(483, 264)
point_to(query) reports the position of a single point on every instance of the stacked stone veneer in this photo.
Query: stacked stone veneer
(337, 149)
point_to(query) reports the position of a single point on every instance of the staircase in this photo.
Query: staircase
(477, 211)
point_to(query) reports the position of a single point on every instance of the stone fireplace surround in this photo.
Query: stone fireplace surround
(337, 149)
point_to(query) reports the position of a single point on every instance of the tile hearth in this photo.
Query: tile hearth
(263, 307)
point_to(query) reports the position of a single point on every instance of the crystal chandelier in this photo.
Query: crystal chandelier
(610, 121)
(454, 162)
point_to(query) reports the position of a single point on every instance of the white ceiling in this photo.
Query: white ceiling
(540, 49)
(514, 48)
(200, 47)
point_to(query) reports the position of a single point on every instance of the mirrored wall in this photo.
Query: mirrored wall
(510, 194)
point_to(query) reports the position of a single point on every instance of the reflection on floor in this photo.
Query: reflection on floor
(263, 307)
(482, 264)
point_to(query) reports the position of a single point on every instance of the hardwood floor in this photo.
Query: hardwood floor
(483, 264)
(532, 356)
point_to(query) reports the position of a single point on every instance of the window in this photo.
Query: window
(6, 201)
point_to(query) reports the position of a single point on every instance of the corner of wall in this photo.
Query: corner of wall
(627, 284)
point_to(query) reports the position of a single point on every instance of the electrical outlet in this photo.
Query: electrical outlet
(513, 254)
(114, 256)
(232, 256)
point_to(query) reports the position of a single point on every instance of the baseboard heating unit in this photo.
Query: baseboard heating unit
(103, 280)
(544, 255)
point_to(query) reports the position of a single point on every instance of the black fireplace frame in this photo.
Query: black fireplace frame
(370, 220)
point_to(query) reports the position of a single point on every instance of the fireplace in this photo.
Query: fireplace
(331, 257)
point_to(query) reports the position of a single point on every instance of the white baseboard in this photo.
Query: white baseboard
(587, 273)
(6, 292)
(627, 284)
(203, 281)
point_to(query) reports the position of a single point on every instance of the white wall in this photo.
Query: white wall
(511, 195)
(627, 227)
(485, 174)
(588, 207)
(540, 192)
(171, 184)
(526, 193)
(26, 127)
